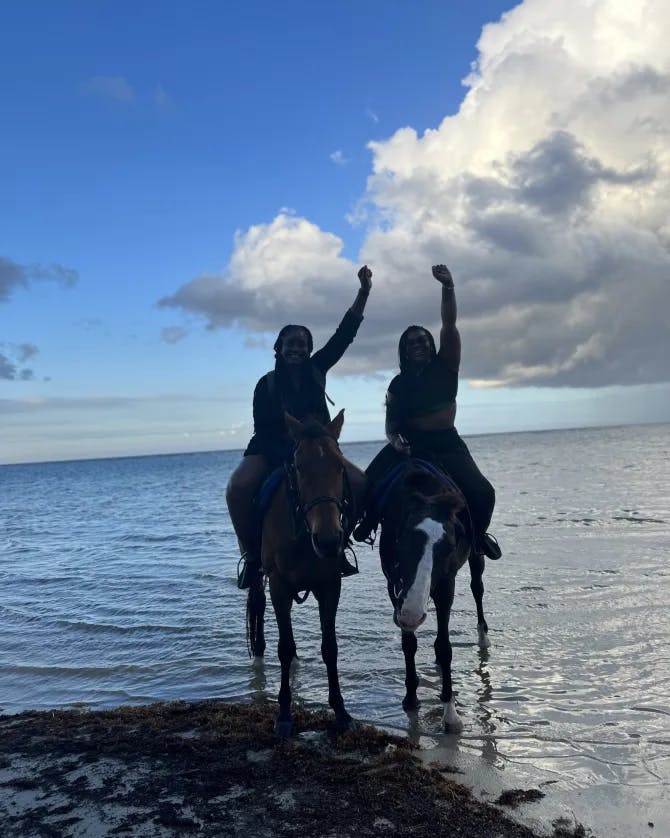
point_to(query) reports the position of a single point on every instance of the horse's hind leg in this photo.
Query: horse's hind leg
(282, 600)
(443, 597)
(328, 599)
(256, 616)
(477, 563)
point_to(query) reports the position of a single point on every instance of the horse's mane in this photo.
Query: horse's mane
(420, 480)
(313, 429)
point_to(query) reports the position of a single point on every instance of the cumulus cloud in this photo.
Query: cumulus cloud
(547, 193)
(278, 271)
(110, 87)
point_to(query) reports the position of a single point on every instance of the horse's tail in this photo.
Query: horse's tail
(255, 617)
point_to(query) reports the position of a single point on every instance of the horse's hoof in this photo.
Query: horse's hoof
(484, 641)
(343, 721)
(451, 721)
(410, 704)
(283, 728)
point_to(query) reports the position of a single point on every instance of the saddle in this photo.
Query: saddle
(377, 505)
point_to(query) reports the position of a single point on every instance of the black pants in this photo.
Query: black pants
(448, 451)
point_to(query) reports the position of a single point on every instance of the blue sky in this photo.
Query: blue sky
(159, 159)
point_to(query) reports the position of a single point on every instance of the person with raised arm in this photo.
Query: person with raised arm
(296, 385)
(420, 416)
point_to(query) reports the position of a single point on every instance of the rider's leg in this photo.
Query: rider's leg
(242, 487)
(479, 494)
(382, 462)
(357, 482)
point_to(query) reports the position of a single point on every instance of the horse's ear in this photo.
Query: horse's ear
(335, 427)
(293, 425)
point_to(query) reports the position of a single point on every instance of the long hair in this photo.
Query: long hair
(308, 380)
(291, 328)
(402, 346)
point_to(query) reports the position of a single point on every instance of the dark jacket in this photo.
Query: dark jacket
(275, 393)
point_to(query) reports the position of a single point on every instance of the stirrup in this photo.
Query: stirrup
(490, 546)
(363, 532)
(347, 568)
(246, 568)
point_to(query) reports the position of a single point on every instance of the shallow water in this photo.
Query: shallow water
(117, 580)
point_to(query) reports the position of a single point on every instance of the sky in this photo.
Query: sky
(178, 180)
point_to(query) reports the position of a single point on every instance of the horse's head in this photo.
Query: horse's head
(320, 478)
(426, 540)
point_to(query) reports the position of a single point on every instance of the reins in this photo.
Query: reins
(300, 509)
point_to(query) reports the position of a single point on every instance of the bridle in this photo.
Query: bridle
(300, 509)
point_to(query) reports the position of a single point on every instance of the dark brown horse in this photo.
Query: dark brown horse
(424, 543)
(304, 533)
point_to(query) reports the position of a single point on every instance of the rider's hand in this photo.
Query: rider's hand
(443, 275)
(365, 278)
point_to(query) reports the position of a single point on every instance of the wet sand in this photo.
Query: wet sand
(216, 769)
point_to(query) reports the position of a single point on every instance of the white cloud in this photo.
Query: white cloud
(161, 98)
(278, 272)
(547, 193)
(173, 334)
(339, 158)
(110, 87)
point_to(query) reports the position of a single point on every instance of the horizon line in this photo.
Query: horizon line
(381, 442)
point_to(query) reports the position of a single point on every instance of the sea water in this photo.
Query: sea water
(117, 585)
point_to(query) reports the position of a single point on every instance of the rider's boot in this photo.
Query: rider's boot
(363, 532)
(489, 546)
(248, 567)
(346, 567)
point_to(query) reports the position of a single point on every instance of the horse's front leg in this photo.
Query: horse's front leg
(328, 598)
(282, 601)
(477, 563)
(409, 644)
(443, 596)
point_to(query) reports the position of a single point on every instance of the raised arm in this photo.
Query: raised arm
(450, 339)
(336, 346)
(365, 278)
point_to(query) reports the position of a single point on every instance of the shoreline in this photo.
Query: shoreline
(213, 768)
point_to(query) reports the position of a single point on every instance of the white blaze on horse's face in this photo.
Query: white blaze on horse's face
(415, 602)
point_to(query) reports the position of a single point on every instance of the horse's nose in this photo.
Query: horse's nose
(328, 546)
(407, 621)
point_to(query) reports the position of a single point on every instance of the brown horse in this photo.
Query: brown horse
(304, 533)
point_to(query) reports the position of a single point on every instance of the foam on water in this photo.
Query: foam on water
(117, 585)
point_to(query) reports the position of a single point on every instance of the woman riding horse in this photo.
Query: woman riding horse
(297, 386)
(420, 414)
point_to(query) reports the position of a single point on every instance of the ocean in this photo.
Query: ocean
(117, 586)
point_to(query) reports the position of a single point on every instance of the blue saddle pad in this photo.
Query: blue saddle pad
(266, 493)
(385, 487)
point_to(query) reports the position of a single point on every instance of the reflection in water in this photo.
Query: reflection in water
(257, 680)
(483, 711)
